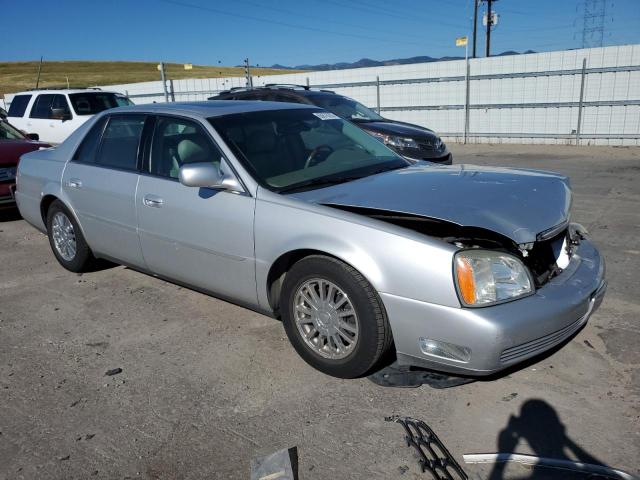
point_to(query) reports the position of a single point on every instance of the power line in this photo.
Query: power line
(277, 22)
(325, 21)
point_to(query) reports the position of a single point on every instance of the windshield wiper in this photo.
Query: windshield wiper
(318, 182)
(326, 181)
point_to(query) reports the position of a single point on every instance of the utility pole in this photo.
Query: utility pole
(489, 23)
(163, 78)
(39, 69)
(475, 25)
(247, 73)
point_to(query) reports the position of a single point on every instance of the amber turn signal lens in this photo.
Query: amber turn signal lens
(466, 283)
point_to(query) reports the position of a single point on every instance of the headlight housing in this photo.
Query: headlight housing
(485, 278)
(393, 141)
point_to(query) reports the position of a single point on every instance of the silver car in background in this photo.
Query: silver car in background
(291, 211)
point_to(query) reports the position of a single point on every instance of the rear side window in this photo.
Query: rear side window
(120, 141)
(19, 105)
(86, 153)
(90, 103)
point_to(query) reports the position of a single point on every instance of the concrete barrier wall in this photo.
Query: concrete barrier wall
(533, 98)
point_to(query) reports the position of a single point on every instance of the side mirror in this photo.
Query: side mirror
(60, 114)
(33, 136)
(208, 175)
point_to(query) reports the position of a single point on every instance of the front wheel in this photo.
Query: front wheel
(66, 240)
(333, 317)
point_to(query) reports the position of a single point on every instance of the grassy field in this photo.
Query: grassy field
(17, 76)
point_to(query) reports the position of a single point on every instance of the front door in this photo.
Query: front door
(100, 182)
(43, 121)
(198, 236)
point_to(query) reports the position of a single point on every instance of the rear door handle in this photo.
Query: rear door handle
(153, 201)
(74, 183)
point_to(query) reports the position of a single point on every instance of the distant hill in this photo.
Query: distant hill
(367, 62)
(17, 76)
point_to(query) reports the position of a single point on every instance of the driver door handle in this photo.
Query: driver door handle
(153, 201)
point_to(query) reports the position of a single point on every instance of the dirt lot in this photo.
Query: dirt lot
(207, 385)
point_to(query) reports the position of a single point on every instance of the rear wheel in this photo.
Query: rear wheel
(333, 317)
(66, 240)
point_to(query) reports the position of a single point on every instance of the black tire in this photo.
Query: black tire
(374, 336)
(83, 260)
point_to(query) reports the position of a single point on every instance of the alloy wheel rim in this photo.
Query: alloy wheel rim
(326, 319)
(64, 236)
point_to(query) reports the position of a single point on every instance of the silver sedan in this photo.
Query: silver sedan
(294, 212)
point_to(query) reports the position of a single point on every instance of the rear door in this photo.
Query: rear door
(17, 110)
(100, 182)
(198, 236)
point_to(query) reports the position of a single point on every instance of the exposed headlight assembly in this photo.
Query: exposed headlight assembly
(393, 141)
(485, 278)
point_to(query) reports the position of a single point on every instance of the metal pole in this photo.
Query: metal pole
(584, 68)
(39, 69)
(307, 82)
(475, 25)
(489, 22)
(171, 91)
(378, 93)
(466, 99)
(164, 82)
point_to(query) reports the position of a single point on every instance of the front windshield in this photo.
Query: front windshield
(7, 132)
(345, 107)
(303, 148)
(90, 103)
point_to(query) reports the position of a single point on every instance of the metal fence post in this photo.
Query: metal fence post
(580, 103)
(171, 91)
(466, 100)
(378, 92)
(307, 82)
(164, 82)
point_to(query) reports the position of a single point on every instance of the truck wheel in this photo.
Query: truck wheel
(333, 317)
(66, 240)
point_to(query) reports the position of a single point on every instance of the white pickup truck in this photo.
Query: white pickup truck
(54, 114)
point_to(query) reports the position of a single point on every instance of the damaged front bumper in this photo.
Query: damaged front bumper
(496, 337)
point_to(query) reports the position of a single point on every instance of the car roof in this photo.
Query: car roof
(292, 89)
(209, 108)
(63, 90)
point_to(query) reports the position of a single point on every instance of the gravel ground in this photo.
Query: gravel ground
(206, 385)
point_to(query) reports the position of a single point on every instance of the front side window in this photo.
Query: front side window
(45, 104)
(18, 105)
(90, 103)
(120, 141)
(346, 108)
(7, 132)
(177, 141)
(293, 149)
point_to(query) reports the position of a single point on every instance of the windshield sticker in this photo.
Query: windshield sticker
(326, 116)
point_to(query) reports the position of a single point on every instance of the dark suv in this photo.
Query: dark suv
(408, 140)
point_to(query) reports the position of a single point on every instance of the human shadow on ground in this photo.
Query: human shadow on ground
(539, 425)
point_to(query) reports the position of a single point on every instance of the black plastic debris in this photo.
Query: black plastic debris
(404, 376)
(280, 465)
(114, 371)
(433, 455)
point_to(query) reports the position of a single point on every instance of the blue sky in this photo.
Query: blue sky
(290, 32)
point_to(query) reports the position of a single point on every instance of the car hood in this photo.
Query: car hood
(11, 150)
(389, 127)
(516, 203)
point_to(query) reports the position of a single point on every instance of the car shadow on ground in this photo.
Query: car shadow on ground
(538, 424)
(9, 215)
